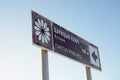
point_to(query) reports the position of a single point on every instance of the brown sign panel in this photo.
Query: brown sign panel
(70, 45)
(49, 35)
(41, 31)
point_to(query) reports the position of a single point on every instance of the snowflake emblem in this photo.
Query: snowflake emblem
(42, 31)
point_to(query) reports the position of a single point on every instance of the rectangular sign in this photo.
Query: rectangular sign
(51, 36)
(70, 45)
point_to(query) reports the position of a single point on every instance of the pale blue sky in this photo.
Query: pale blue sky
(97, 21)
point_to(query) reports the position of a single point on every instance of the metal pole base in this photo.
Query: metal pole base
(44, 65)
(88, 73)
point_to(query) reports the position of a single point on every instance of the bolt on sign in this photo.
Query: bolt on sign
(51, 36)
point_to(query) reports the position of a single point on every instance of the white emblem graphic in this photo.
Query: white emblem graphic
(42, 31)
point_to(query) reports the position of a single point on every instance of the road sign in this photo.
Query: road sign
(51, 36)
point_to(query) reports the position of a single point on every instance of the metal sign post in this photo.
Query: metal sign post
(44, 65)
(88, 73)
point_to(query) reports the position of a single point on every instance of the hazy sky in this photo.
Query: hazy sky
(97, 21)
